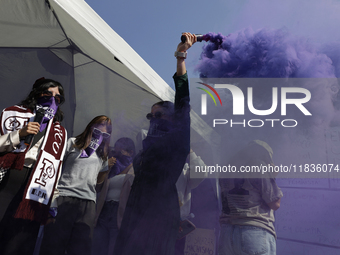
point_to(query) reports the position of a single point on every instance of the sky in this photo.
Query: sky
(153, 28)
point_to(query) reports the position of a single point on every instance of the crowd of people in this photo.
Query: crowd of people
(100, 200)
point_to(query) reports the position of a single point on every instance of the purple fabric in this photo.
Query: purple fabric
(50, 107)
(158, 128)
(96, 140)
(122, 162)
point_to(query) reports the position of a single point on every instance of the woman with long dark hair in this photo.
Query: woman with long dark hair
(85, 157)
(36, 157)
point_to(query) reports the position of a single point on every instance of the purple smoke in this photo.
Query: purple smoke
(263, 54)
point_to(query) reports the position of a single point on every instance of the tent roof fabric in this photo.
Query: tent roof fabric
(96, 39)
(67, 41)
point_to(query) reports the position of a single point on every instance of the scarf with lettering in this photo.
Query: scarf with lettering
(13, 119)
(44, 176)
(50, 106)
(95, 142)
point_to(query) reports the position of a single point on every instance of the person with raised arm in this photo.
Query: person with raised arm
(152, 216)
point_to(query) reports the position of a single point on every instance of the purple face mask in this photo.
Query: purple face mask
(50, 106)
(158, 128)
(96, 140)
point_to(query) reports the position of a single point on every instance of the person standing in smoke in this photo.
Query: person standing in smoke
(113, 193)
(151, 220)
(184, 185)
(248, 205)
(86, 156)
(40, 158)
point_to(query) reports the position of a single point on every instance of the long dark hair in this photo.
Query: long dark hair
(40, 86)
(167, 106)
(83, 140)
(126, 144)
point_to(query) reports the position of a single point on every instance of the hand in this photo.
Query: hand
(50, 220)
(111, 162)
(190, 40)
(31, 128)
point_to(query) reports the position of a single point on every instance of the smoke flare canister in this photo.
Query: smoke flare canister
(199, 37)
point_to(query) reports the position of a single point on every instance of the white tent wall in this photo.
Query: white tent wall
(35, 28)
(79, 37)
(106, 92)
(20, 67)
(101, 74)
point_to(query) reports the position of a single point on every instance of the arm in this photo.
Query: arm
(54, 202)
(195, 161)
(124, 195)
(275, 204)
(180, 77)
(102, 175)
(10, 141)
(103, 172)
(182, 99)
(271, 193)
(183, 47)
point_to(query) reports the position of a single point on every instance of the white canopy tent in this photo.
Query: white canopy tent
(101, 74)
(67, 41)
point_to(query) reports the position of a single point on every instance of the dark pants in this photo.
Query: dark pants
(180, 245)
(72, 230)
(17, 236)
(106, 231)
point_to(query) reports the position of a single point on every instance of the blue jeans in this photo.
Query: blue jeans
(245, 240)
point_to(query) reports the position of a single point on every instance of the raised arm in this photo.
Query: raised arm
(182, 50)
